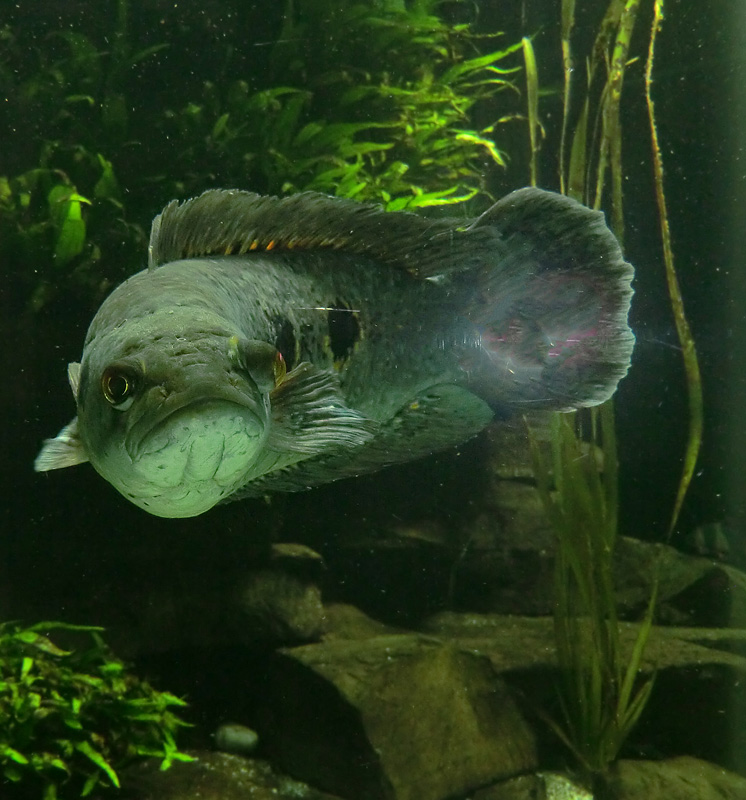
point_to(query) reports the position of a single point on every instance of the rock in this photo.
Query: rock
(693, 591)
(506, 565)
(683, 778)
(498, 557)
(398, 717)
(702, 665)
(377, 713)
(518, 643)
(274, 599)
(539, 786)
(213, 776)
(342, 621)
(281, 602)
(230, 737)
(513, 573)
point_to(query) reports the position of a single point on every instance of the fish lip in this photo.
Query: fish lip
(146, 424)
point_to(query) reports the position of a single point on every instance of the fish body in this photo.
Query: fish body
(277, 344)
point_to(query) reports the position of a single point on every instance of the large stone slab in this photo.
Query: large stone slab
(682, 778)
(698, 703)
(213, 776)
(391, 717)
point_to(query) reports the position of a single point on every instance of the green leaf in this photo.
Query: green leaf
(65, 206)
(50, 792)
(81, 98)
(96, 757)
(40, 642)
(8, 752)
(475, 64)
(146, 52)
(115, 113)
(12, 773)
(90, 784)
(26, 666)
(107, 185)
(64, 626)
(532, 95)
(220, 125)
(80, 46)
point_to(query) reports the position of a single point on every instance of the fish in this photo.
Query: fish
(274, 344)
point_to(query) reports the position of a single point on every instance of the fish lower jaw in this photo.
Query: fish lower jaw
(188, 503)
(188, 497)
(187, 466)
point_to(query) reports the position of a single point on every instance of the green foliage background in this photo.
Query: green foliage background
(374, 100)
(70, 719)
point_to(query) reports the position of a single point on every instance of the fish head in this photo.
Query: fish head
(174, 412)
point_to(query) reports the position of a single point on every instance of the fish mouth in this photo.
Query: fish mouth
(190, 458)
(162, 422)
(193, 458)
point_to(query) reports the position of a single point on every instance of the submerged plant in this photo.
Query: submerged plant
(373, 102)
(376, 101)
(601, 694)
(69, 720)
(65, 227)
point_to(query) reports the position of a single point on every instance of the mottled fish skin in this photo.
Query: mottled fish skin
(274, 344)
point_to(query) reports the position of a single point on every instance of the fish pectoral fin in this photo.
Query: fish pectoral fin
(73, 378)
(310, 415)
(65, 450)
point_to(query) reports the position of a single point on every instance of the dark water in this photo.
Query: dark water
(70, 543)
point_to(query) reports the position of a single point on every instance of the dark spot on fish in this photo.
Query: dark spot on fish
(285, 340)
(307, 342)
(344, 331)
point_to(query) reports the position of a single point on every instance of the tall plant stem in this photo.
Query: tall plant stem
(611, 137)
(532, 97)
(691, 365)
(568, 21)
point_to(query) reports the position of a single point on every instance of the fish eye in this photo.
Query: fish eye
(118, 385)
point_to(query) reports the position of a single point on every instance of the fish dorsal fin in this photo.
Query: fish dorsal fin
(233, 222)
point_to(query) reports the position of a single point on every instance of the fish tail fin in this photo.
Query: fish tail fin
(548, 309)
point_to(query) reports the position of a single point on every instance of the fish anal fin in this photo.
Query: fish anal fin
(65, 450)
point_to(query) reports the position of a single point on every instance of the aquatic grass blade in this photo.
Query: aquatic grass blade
(568, 22)
(598, 697)
(577, 170)
(532, 100)
(683, 331)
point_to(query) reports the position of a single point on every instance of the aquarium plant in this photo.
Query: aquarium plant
(376, 101)
(600, 695)
(71, 719)
(601, 692)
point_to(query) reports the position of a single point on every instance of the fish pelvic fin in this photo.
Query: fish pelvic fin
(65, 450)
(548, 305)
(310, 415)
